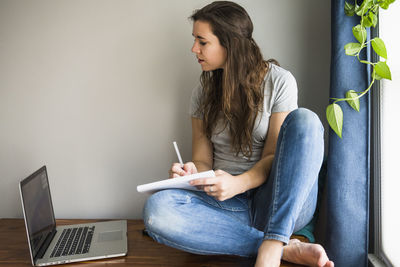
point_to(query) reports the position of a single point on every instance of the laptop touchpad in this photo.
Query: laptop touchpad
(110, 236)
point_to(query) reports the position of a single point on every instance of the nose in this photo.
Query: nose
(196, 48)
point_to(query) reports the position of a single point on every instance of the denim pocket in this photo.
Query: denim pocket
(237, 203)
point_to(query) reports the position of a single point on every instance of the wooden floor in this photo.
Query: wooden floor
(143, 251)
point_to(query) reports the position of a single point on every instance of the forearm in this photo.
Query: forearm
(202, 149)
(258, 174)
(202, 166)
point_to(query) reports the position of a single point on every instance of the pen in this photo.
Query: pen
(178, 154)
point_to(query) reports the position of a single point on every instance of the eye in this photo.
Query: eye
(202, 43)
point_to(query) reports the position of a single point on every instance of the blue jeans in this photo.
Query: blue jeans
(195, 222)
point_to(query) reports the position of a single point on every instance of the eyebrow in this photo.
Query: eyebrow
(199, 36)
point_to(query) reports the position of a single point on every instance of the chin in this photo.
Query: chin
(207, 68)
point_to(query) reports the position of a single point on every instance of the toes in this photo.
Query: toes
(294, 240)
(306, 254)
(320, 254)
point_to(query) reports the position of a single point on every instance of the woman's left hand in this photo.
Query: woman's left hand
(222, 187)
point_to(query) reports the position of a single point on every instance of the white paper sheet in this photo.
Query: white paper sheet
(179, 182)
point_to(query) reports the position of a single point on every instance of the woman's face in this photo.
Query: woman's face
(209, 52)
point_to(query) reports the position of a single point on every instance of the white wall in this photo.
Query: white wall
(98, 90)
(390, 142)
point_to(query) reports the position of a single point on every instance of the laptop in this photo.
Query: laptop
(50, 244)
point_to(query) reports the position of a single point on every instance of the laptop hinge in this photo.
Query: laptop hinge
(45, 244)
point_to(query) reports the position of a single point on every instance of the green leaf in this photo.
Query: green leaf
(334, 114)
(365, 6)
(385, 3)
(373, 18)
(382, 69)
(360, 33)
(376, 76)
(351, 49)
(349, 9)
(366, 21)
(357, 10)
(379, 47)
(356, 7)
(355, 102)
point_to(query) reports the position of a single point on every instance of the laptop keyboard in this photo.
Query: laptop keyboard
(73, 241)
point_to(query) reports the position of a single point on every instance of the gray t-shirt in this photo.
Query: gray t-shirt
(280, 95)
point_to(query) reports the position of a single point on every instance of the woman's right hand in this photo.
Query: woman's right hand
(177, 169)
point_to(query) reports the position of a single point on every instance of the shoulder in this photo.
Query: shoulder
(195, 102)
(197, 93)
(279, 75)
(280, 89)
(198, 89)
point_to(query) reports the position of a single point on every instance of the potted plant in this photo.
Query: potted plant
(368, 13)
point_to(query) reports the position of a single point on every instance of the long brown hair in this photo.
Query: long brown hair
(233, 95)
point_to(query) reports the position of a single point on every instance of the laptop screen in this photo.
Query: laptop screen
(38, 208)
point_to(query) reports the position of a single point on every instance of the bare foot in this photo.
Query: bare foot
(306, 254)
(269, 254)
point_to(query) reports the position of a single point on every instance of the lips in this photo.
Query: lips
(200, 60)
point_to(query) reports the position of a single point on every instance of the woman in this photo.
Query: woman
(266, 153)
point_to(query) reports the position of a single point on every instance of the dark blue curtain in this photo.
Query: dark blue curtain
(347, 181)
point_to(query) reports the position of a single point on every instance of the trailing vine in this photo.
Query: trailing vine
(368, 12)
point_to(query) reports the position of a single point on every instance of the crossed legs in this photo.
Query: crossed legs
(197, 223)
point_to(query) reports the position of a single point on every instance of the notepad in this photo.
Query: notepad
(179, 182)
